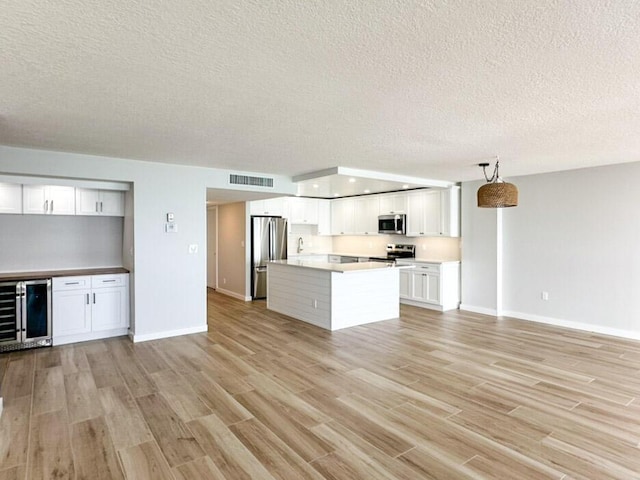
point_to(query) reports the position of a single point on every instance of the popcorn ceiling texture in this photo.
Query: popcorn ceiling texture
(425, 88)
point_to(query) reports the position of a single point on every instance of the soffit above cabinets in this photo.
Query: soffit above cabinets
(340, 182)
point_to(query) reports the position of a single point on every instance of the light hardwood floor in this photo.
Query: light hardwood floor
(262, 396)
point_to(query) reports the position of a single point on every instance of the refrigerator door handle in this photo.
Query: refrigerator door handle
(272, 241)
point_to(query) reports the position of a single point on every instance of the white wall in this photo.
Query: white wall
(575, 235)
(169, 284)
(52, 242)
(212, 239)
(480, 254)
(232, 250)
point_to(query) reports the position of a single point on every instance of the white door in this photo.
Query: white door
(112, 203)
(71, 312)
(406, 278)
(87, 201)
(34, 199)
(62, 200)
(10, 198)
(108, 309)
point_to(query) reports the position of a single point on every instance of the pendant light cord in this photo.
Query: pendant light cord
(495, 177)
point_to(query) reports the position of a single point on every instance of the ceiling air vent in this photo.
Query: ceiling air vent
(252, 181)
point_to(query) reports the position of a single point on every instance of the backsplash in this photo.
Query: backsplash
(312, 242)
(443, 248)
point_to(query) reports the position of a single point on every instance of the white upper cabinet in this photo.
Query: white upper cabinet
(366, 215)
(324, 217)
(342, 217)
(99, 202)
(450, 205)
(303, 210)
(48, 199)
(434, 213)
(274, 207)
(10, 198)
(392, 203)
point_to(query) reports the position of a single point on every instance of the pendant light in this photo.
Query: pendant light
(496, 193)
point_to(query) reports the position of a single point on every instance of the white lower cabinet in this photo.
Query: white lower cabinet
(90, 307)
(430, 285)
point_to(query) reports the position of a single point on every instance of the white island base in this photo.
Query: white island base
(333, 296)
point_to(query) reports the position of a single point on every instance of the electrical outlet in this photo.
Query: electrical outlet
(193, 248)
(544, 296)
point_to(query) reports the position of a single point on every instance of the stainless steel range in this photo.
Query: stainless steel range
(395, 251)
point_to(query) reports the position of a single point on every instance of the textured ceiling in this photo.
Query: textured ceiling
(425, 88)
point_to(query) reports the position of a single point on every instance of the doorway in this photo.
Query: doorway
(212, 247)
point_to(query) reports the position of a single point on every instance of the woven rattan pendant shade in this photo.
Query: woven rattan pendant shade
(498, 195)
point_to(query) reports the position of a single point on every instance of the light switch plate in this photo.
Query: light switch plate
(171, 227)
(170, 217)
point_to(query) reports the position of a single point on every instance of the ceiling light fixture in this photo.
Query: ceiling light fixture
(315, 185)
(496, 193)
(405, 186)
(367, 191)
(352, 180)
(336, 194)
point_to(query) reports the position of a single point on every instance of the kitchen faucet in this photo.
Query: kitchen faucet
(300, 244)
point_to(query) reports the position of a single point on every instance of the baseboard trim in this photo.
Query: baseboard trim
(168, 333)
(229, 293)
(482, 310)
(586, 327)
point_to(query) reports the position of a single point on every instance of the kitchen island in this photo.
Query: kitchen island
(334, 295)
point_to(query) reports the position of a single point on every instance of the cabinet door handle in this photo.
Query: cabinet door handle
(72, 283)
(101, 207)
(97, 210)
(87, 299)
(51, 206)
(108, 281)
(46, 206)
(94, 298)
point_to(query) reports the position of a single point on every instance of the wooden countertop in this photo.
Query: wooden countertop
(9, 276)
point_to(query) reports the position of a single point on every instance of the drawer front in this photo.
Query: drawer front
(425, 267)
(103, 281)
(70, 283)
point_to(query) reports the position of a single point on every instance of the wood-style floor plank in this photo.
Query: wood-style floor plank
(50, 453)
(145, 462)
(93, 452)
(174, 438)
(430, 395)
(126, 423)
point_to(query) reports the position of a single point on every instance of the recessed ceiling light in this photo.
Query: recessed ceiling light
(367, 191)
(352, 180)
(297, 194)
(315, 185)
(405, 186)
(336, 194)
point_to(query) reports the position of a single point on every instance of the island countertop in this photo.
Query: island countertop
(355, 267)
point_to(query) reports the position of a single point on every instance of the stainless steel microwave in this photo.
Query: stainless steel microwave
(392, 224)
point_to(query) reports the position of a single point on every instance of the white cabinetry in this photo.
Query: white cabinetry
(434, 213)
(271, 207)
(303, 211)
(10, 198)
(48, 199)
(430, 285)
(99, 202)
(324, 217)
(90, 307)
(392, 203)
(366, 215)
(342, 217)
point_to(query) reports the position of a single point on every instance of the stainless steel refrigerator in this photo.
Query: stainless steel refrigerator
(268, 242)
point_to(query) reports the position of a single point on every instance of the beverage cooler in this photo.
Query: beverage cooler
(25, 314)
